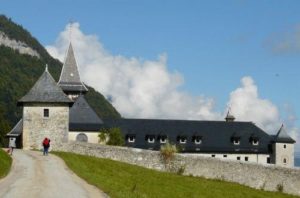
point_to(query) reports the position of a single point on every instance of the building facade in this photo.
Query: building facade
(60, 112)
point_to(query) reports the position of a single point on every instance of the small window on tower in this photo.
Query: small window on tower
(284, 160)
(46, 113)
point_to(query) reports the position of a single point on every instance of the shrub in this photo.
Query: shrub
(181, 170)
(279, 187)
(103, 135)
(115, 137)
(167, 151)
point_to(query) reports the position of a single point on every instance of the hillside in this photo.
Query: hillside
(19, 71)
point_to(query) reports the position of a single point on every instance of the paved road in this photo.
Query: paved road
(34, 175)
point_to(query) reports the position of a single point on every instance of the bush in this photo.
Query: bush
(115, 137)
(167, 151)
(279, 187)
(103, 135)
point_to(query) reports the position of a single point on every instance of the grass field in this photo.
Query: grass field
(5, 163)
(119, 179)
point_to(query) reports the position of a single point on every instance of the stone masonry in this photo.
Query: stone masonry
(266, 177)
(36, 127)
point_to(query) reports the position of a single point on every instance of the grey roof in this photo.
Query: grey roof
(283, 137)
(17, 130)
(45, 90)
(217, 136)
(83, 117)
(69, 78)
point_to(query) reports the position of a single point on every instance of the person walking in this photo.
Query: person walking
(46, 145)
(12, 145)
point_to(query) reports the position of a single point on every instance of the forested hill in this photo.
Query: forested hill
(19, 71)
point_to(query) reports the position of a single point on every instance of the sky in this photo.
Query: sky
(180, 59)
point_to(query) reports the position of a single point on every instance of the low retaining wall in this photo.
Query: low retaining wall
(267, 177)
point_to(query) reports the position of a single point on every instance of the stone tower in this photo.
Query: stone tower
(45, 113)
(69, 79)
(283, 149)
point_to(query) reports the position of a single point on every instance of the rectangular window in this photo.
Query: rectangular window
(224, 156)
(284, 146)
(268, 160)
(238, 158)
(46, 113)
(246, 159)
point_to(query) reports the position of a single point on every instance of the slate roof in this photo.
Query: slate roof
(45, 90)
(216, 135)
(83, 117)
(17, 130)
(69, 79)
(283, 137)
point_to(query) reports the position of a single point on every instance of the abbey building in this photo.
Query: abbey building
(59, 111)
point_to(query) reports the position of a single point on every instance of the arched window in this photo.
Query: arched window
(284, 160)
(81, 137)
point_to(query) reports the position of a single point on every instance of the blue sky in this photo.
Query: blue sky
(212, 44)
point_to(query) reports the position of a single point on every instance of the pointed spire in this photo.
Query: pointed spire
(283, 137)
(229, 117)
(69, 79)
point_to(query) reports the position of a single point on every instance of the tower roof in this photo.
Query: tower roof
(69, 78)
(83, 117)
(45, 90)
(283, 137)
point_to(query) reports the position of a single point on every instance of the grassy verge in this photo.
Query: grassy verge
(5, 163)
(119, 179)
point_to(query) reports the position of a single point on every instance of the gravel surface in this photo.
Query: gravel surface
(34, 175)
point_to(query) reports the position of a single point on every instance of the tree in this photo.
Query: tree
(115, 137)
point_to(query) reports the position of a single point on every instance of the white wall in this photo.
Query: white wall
(284, 151)
(257, 158)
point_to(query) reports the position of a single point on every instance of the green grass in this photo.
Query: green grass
(119, 179)
(5, 163)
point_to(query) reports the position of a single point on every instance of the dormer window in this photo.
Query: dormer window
(235, 140)
(130, 138)
(162, 139)
(182, 139)
(254, 140)
(197, 139)
(150, 139)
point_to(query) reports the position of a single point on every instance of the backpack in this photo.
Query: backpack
(46, 142)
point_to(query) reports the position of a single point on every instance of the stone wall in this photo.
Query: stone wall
(36, 127)
(267, 177)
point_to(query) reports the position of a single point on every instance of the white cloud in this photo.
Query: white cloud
(246, 105)
(143, 89)
(148, 89)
